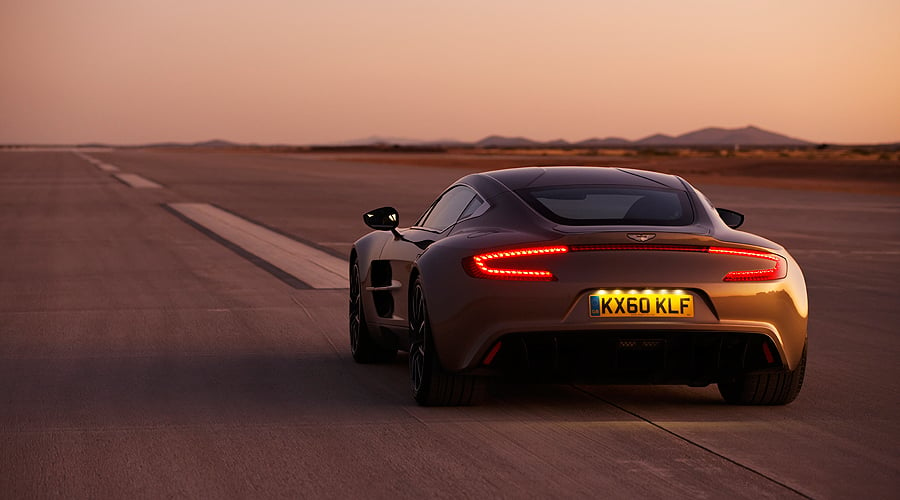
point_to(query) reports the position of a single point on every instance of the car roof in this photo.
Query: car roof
(530, 177)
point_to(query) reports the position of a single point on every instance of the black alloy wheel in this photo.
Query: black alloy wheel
(417, 326)
(431, 385)
(765, 388)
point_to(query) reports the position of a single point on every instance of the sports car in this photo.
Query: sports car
(578, 274)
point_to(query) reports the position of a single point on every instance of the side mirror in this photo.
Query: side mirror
(731, 218)
(382, 219)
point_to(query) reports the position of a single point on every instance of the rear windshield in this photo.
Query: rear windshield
(610, 205)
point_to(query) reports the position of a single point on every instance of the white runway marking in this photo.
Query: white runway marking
(106, 167)
(309, 265)
(136, 181)
(52, 149)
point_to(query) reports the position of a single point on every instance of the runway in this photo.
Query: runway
(146, 352)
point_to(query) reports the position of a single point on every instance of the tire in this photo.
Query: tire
(363, 347)
(431, 385)
(766, 388)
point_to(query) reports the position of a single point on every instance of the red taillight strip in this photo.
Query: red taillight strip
(478, 266)
(774, 273)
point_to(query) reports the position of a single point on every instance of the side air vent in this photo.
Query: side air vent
(383, 299)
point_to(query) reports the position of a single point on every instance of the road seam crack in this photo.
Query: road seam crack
(693, 443)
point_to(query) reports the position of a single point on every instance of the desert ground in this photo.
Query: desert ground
(145, 355)
(844, 171)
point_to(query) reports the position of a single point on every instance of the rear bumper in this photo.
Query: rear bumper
(466, 326)
(470, 315)
(696, 358)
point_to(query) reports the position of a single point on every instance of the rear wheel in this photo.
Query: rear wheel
(431, 385)
(765, 388)
(362, 346)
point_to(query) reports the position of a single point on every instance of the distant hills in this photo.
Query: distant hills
(715, 136)
(710, 136)
(215, 143)
(498, 141)
(706, 137)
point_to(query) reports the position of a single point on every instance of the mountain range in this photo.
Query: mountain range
(710, 136)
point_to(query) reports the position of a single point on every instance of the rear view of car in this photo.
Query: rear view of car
(610, 276)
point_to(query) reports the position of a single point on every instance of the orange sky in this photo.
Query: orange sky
(295, 71)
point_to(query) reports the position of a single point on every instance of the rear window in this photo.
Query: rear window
(610, 205)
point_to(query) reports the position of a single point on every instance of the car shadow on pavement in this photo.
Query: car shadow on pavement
(247, 389)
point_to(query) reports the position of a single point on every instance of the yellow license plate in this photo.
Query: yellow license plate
(639, 304)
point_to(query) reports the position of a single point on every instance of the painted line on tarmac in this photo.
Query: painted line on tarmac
(297, 264)
(136, 181)
(106, 167)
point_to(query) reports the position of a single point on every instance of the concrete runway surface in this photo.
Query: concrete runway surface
(141, 357)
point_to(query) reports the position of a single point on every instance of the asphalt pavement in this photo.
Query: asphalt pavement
(143, 356)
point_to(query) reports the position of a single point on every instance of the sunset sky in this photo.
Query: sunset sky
(301, 72)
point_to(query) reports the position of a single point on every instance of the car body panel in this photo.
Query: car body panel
(469, 315)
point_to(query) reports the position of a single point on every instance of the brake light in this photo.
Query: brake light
(483, 265)
(486, 265)
(777, 271)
